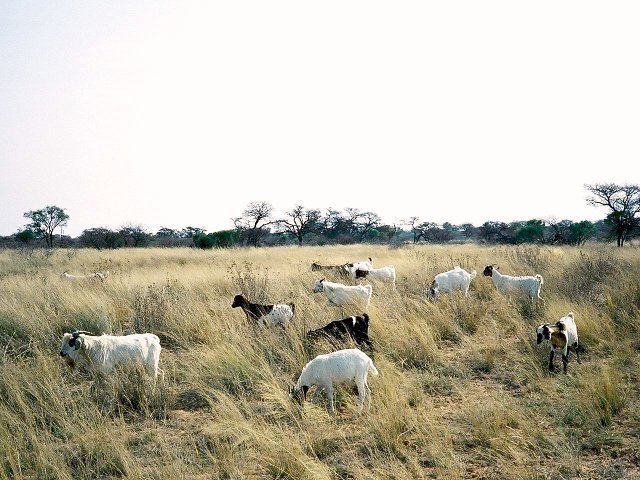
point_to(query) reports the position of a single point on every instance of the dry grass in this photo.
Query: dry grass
(463, 390)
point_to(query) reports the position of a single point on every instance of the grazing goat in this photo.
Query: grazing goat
(343, 366)
(341, 270)
(105, 352)
(357, 327)
(384, 274)
(270, 315)
(339, 294)
(92, 276)
(561, 335)
(506, 283)
(450, 281)
(361, 265)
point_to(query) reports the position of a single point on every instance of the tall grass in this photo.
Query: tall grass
(463, 391)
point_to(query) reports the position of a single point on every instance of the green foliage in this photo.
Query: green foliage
(581, 232)
(531, 232)
(46, 220)
(221, 239)
(25, 236)
(101, 238)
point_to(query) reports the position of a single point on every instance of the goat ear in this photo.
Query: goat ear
(78, 343)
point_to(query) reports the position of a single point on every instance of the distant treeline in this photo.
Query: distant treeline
(309, 226)
(343, 231)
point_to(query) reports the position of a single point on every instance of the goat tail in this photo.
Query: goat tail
(373, 369)
(540, 279)
(473, 274)
(293, 307)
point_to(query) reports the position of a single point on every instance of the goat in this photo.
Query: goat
(361, 265)
(270, 315)
(384, 274)
(357, 327)
(561, 335)
(103, 353)
(343, 366)
(92, 276)
(450, 281)
(339, 294)
(506, 283)
(341, 270)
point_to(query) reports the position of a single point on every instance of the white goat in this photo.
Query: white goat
(92, 276)
(384, 274)
(561, 335)
(506, 283)
(451, 281)
(343, 366)
(339, 294)
(105, 352)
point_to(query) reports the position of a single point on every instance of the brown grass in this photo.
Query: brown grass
(463, 390)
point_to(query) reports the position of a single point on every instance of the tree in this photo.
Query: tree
(468, 230)
(25, 236)
(166, 232)
(581, 232)
(365, 224)
(100, 238)
(300, 222)
(494, 232)
(221, 239)
(532, 231)
(190, 232)
(624, 203)
(558, 231)
(254, 219)
(45, 221)
(134, 235)
(413, 223)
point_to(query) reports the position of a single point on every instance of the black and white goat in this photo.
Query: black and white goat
(561, 335)
(356, 326)
(340, 270)
(280, 313)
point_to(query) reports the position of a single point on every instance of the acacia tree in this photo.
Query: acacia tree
(254, 219)
(300, 222)
(45, 221)
(624, 203)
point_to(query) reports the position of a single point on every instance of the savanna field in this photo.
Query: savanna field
(463, 390)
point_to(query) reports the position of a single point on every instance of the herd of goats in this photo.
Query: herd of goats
(352, 366)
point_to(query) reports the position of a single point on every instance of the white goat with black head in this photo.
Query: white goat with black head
(105, 352)
(349, 366)
(562, 335)
(506, 283)
(451, 281)
(270, 315)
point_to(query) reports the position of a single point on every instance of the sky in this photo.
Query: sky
(181, 113)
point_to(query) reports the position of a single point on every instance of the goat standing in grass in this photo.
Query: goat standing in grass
(451, 281)
(349, 366)
(506, 283)
(339, 294)
(270, 315)
(356, 326)
(562, 335)
(105, 352)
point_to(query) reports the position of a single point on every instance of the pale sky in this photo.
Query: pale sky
(182, 113)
